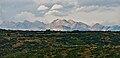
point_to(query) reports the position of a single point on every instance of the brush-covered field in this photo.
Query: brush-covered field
(31, 44)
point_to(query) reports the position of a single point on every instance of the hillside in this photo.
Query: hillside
(36, 44)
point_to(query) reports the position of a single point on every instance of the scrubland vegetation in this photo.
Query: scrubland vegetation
(31, 44)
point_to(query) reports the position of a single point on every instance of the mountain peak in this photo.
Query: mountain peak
(58, 24)
(26, 21)
(71, 21)
(59, 21)
(96, 25)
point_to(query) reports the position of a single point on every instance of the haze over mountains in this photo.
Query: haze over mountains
(58, 25)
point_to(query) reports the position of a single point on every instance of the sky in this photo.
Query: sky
(106, 12)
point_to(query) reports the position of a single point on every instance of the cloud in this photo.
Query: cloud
(56, 7)
(87, 8)
(82, 2)
(42, 7)
(27, 16)
(56, 10)
(67, 6)
(95, 10)
(96, 16)
(99, 2)
(52, 12)
(32, 17)
(52, 1)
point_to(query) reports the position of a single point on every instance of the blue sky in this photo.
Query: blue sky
(106, 12)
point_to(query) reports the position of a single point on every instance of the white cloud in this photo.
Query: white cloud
(32, 17)
(27, 16)
(52, 12)
(42, 7)
(87, 8)
(94, 8)
(83, 2)
(95, 17)
(56, 7)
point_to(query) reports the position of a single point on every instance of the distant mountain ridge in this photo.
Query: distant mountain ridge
(57, 25)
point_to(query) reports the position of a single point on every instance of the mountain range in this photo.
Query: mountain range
(57, 25)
